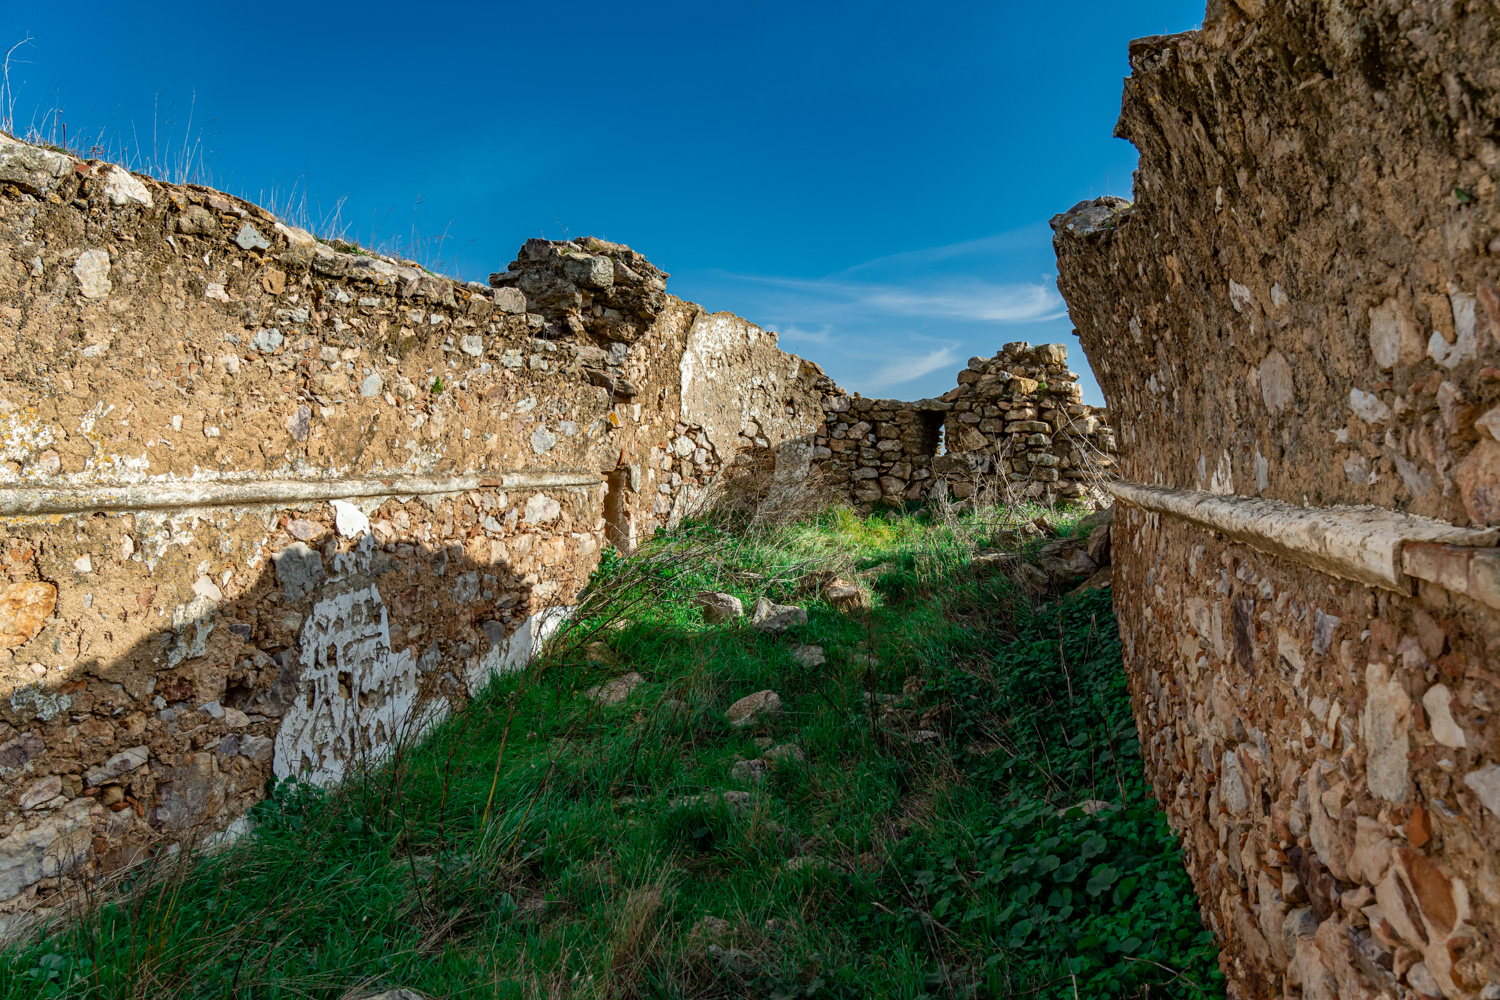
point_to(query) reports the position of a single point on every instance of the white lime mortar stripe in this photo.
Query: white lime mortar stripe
(34, 500)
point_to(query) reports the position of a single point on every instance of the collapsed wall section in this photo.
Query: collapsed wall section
(1015, 422)
(269, 504)
(1297, 329)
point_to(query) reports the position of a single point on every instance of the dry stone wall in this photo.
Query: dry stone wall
(268, 504)
(1016, 420)
(1297, 328)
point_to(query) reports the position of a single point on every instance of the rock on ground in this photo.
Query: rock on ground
(846, 596)
(718, 607)
(1103, 578)
(809, 656)
(752, 708)
(1098, 545)
(750, 770)
(843, 594)
(990, 563)
(1096, 519)
(770, 617)
(786, 752)
(1033, 578)
(615, 691)
(1064, 560)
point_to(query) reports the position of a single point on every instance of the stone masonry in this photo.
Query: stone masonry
(1016, 419)
(1297, 327)
(268, 505)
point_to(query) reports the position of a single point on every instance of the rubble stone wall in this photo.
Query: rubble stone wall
(269, 504)
(1297, 328)
(1016, 420)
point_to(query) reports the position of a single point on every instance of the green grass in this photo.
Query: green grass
(583, 859)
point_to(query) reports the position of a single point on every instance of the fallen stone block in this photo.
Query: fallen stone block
(768, 616)
(718, 607)
(752, 708)
(615, 691)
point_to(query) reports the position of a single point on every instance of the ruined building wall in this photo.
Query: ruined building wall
(1297, 328)
(267, 504)
(1016, 420)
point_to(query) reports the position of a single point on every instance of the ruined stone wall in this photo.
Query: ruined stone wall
(1016, 420)
(1297, 329)
(269, 504)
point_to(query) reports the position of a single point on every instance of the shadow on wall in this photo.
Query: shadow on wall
(339, 650)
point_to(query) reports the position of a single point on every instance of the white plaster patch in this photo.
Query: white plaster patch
(1385, 333)
(508, 655)
(355, 698)
(542, 509)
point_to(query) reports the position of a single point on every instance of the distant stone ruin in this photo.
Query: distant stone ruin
(1297, 328)
(1016, 420)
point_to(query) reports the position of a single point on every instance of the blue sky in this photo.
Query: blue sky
(871, 180)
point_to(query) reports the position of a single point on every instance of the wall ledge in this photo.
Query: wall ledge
(25, 501)
(1364, 544)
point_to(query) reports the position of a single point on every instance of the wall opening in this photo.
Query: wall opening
(616, 520)
(934, 435)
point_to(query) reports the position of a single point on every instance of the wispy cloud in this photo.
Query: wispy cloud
(965, 299)
(822, 335)
(910, 369)
(907, 318)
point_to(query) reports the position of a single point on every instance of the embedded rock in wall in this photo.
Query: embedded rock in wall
(1015, 423)
(1297, 328)
(268, 504)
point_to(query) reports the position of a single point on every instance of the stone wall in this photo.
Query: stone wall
(1016, 420)
(1297, 329)
(268, 504)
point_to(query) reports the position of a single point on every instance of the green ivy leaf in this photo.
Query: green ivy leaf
(1020, 932)
(1104, 876)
